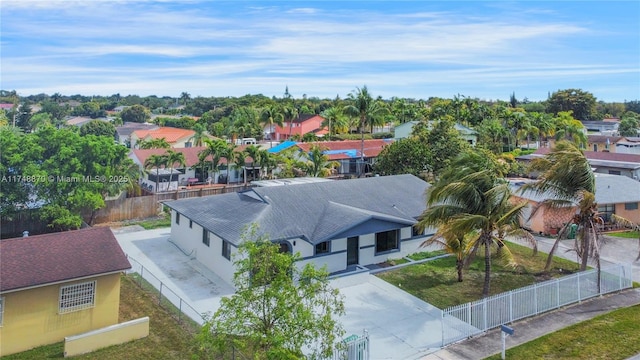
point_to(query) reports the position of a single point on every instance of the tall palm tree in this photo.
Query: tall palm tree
(185, 97)
(254, 152)
(568, 182)
(239, 162)
(199, 135)
(453, 243)
(214, 148)
(173, 158)
(569, 128)
(155, 162)
(229, 154)
(271, 116)
(467, 201)
(367, 109)
(289, 113)
(318, 164)
(335, 121)
(153, 144)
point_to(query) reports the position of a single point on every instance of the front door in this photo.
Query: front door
(352, 250)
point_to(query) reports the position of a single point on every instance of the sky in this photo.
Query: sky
(408, 49)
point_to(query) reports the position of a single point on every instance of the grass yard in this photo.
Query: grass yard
(626, 234)
(436, 281)
(612, 336)
(167, 339)
(160, 222)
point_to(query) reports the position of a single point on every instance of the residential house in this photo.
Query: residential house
(601, 126)
(614, 163)
(344, 225)
(606, 143)
(191, 173)
(615, 194)
(81, 120)
(303, 124)
(57, 285)
(404, 131)
(628, 145)
(354, 159)
(176, 137)
(6, 107)
(123, 132)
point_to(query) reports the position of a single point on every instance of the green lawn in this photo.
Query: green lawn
(167, 339)
(160, 222)
(612, 336)
(436, 281)
(626, 234)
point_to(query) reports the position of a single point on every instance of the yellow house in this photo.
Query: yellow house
(57, 285)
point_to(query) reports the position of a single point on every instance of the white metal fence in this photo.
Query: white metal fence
(355, 348)
(463, 321)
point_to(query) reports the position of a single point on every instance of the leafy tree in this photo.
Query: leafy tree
(185, 97)
(279, 308)
(568, 182)
(629, 126)
(135, 113)
(568, 128)
(582, 103)
(156, 161)
(318, 164)
(466, 200)
(334, 121)
(98, 128)
(22, 117)
(445, 142)
(39, 121)
(405, 156)
(368, 110)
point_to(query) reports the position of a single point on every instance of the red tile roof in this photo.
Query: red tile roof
(50, 258)
(593, 155)
(170, 134)
(372, 148)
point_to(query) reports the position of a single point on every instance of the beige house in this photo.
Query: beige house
(177, 138)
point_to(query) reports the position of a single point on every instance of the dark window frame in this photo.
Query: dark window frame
(385, 243)
(177, 218)
(322, 248)
(226, 249)
(206, 237)
(631, 206)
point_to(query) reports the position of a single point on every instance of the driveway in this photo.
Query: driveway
(400, 325)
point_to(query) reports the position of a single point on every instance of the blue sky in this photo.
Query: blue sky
(414, 49)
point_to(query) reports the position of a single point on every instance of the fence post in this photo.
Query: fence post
(484, 313)
(180, 312)
(141, 275)
(535, 298)
(579, 295)
(366, 336)
(557, 293)
(620, 277)
(160, 296)
(442, 326)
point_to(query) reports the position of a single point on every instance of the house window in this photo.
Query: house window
(77, 297)
(322, 248)
(190, 224)
(205, 237)
(187, 144)
(1, 309)
(614, 172)
(177, 218)
(631, 206)
(416, 232)
(226, 250)
(595, 147)
(386, 241)
(605, 211)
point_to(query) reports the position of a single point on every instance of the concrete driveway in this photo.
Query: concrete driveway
(400, 325)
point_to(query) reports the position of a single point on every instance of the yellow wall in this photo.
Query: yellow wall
(108, 336)
(31, 316)
(631, 215)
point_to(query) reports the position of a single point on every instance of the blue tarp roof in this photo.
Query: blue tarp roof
(282, 146)
(352, 153)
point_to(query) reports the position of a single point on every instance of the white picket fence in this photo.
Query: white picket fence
(355, 348)
(466, 320)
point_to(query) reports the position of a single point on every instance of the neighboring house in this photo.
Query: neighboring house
(120, 108)
(189, 174)
(123, 132)
(6, 107)
(343, 225)
(176, 137)
(404, 131)
(628, 145)
(602, 162)
(349, 153)
(601, 126)
(303, 124)
(615, 194)
(57, 285)
(81, 120)
(606, 143)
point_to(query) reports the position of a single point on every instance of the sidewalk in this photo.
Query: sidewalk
(528, 329)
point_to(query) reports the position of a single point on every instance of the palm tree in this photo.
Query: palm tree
(185, 97)
(318, 164)
(479, 203)
(153, 144)
(214, 148)
(239, 162)
(156, 161)
(568, 128)
(271, 115)
(367, 110)
(229, 154)
(453, 243)
(569, 183)
(254, 152)
(334, 116)
(200, 134)
(173, 158)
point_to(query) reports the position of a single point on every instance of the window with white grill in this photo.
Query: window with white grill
(77, 296)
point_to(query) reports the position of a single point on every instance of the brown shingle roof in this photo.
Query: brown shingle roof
(372, 148)
(190, 154)
(593, 155)
(50, 258)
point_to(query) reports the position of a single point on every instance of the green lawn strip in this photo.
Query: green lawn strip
(163, 221)
(436, 281)
(626, 234)
(610, 336)
(426, 255)
(167, 338)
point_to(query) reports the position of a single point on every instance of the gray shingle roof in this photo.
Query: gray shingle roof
(314, 211)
